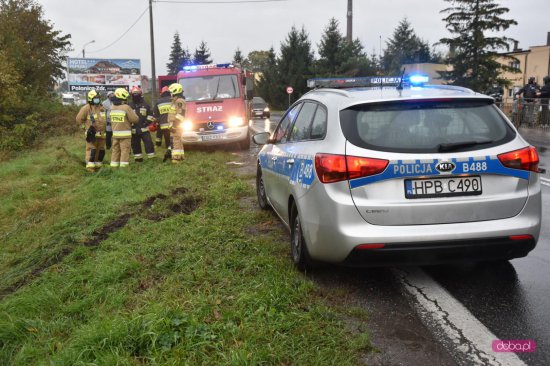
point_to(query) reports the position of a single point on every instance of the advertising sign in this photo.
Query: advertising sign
(103, 75)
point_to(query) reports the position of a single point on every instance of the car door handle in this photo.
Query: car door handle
(290, 161)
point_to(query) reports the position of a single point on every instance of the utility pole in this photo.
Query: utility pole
(349, 36)
(153, 71)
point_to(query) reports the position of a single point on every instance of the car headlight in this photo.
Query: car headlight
(266, 109)
(236, 122)
(187, 125)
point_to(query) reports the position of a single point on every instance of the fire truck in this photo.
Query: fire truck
(218, 104)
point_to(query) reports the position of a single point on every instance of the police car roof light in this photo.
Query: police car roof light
(369, 81)
(418, 79)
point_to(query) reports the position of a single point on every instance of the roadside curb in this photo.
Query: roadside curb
(536, 137)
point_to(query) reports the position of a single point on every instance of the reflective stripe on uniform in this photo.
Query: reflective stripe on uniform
(177, 152)
(98, 164)
(123, 133)
(138, 156)
(90, 165)
(164, 126)
(151, 155)
(164, 108)
(118, 116)
(145, 129)
(115, 164)
(124, 164)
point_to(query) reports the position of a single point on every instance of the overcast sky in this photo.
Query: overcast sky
(249, 26)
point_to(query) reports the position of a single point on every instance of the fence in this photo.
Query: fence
(529, 113)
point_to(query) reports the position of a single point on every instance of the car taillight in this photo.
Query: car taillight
(524, 159)
(332, 168)
(521, 237)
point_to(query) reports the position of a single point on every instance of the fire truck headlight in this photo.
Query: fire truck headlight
(236, 122)
(187, 125)
(266, 109)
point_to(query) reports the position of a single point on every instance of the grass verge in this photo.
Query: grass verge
(156, 264)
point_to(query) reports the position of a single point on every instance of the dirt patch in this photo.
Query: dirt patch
(148, 203)
(103, 233)
(185, 206)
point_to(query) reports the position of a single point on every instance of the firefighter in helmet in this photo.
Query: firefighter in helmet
(176, 118)
(161, 111)
(92, 117)
(140, 131)
(122, 119)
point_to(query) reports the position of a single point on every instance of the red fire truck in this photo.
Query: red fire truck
(166, 80)
(218, 104)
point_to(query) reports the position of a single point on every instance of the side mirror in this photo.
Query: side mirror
(261, 138)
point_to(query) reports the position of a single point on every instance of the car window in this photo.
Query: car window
(319, 125)
(424, 126)
(302, 126)
(280, 135)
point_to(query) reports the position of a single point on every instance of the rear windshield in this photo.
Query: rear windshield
(425, 126)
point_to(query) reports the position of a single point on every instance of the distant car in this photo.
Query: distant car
(259, 108)
(377, 176)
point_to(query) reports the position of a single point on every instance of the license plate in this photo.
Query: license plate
(443, 187)
(212, 137)
(258, 113)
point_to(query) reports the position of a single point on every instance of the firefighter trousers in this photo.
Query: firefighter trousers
(147, 141)
(177, 145)
(163, 133)
(95, 152)
(120, 152)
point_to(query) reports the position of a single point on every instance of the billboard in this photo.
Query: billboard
(101, 74)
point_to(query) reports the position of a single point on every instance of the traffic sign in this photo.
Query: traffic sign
(289, 89)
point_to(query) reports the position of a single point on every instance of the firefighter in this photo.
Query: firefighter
(92, 117)
(160, 111)
(122, 119)
(529, 91)
(109, 131)
(140, 131)
(176, 118)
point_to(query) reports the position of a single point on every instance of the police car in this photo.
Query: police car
(366, 173)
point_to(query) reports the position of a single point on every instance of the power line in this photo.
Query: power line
(123, 34)
(216, 2)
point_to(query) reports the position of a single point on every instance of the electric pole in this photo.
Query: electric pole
(153, 71)
(349, 36)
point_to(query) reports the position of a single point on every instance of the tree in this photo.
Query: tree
(27, 37)
(473, 54)
(269, 84)
(238, 57)
(258, 60)
(404, 47)
(338, 57)
(295, 64)
(178, 56)
(202, 55)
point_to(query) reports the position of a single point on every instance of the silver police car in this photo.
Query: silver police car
(363, 173)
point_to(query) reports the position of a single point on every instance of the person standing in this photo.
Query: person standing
(161, 111)
(108, 129)
(140, 131)
(92, 116)
(176, 118)
(544, 95)
(122, 119)
(529, 92)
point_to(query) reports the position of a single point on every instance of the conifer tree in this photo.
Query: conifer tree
(238, 57)
(474, 43)
(269, 85)
(202, 55)
(176, 56)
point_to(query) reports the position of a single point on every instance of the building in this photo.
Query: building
(534, 61)
(432, 70)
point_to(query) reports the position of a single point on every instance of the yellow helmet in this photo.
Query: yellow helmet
(175, 89)
(122, 94)
(91, 95)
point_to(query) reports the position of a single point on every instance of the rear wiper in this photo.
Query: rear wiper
(458, 145)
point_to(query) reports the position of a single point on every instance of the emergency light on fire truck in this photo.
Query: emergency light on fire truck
(191, 68)
(369, 81)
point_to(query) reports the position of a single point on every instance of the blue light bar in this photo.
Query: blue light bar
(191, 68)
(354, 82)
(417, 79)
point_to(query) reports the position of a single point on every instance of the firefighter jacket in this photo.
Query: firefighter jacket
(95, 113)
(145, 115)
(177, 111)
(122, 119)
(162, 110)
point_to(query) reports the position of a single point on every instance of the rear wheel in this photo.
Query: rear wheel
(260, 190)
(298, 247)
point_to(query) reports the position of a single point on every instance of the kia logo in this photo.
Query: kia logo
(445, 166)
(210, 125)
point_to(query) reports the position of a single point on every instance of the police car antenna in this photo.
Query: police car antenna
(400, 86)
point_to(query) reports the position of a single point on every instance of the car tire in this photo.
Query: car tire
(298, 248)
(260, 190)
(245, 144)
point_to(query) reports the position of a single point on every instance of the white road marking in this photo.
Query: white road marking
(465, 337)
(545, 181)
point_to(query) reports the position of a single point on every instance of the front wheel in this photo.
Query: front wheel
(298, 247)
(260, 190)
(245, 144)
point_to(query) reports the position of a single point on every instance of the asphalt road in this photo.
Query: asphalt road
(507, 301)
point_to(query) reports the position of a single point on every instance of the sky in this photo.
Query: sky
(258, 26)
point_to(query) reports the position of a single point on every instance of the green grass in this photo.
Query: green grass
(166, 286)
